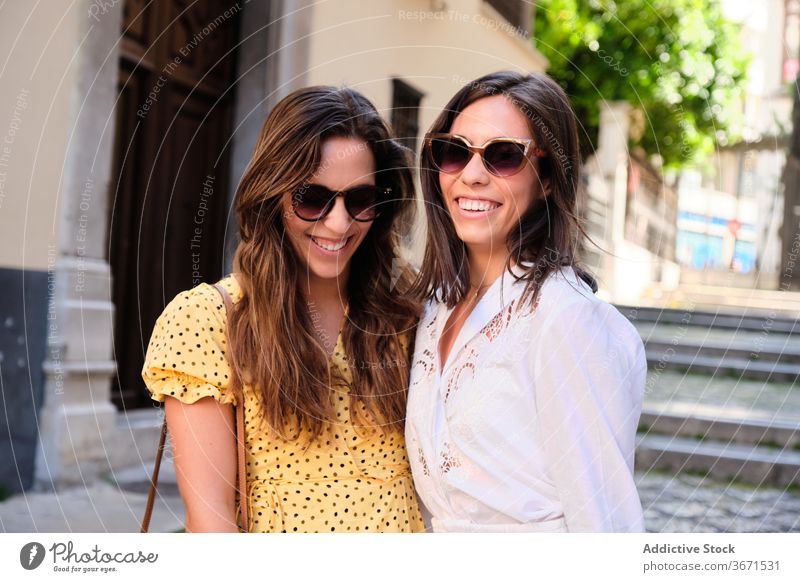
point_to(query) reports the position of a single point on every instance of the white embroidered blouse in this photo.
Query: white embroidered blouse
(530, 424)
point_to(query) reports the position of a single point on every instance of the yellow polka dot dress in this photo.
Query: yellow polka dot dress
(344, 481)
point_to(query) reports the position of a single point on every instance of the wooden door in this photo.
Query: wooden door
(168, 213)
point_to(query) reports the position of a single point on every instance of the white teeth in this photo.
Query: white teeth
(328, 246)
(476, 205)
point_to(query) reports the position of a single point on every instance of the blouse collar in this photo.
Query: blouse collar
(501, 293)
(498, 297)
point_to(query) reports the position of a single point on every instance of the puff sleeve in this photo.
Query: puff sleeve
(186, 354)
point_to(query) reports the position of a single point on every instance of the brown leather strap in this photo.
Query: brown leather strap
(151, 495)
(235, 386)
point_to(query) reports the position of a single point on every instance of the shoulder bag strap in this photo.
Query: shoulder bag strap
(151, 495)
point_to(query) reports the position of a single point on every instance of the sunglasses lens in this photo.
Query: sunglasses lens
(504, 158)
(362, 202)
(449, 155)
(311, 201)
(314, 202)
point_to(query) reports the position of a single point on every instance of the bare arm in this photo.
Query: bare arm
(204, 446)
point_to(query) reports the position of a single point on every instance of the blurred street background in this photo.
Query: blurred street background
(125, 126)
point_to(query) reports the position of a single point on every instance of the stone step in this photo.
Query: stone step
(754, 464)
(753, 431)
(776, 351)
(732, 367)
(715, 319)
(785, 412)
(726, 295)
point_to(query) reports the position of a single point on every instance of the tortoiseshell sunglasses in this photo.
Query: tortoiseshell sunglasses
(501, 156)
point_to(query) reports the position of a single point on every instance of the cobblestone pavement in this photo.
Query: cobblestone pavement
(692, 504)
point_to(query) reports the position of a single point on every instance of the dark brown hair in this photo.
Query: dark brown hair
(271, 334)
(549, 233)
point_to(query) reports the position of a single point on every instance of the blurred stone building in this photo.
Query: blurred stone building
(732, 211)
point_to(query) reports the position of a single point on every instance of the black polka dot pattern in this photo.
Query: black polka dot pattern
(347, 480)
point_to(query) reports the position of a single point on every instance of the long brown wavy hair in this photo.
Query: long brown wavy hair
(549, 232)
(270, 331)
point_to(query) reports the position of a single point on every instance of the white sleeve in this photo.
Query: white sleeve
(589, 375)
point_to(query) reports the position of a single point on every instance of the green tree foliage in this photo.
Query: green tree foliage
(678, 62)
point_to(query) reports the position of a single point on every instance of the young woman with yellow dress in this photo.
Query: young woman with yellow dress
(319, 331)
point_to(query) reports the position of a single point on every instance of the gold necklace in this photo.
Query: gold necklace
(481, 289)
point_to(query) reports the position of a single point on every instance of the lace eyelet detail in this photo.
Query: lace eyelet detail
(449, 460)
(425, 470)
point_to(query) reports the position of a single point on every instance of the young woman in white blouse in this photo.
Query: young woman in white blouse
(526, 389)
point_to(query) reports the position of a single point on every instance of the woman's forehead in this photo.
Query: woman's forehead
(490, 117)
(344, 161)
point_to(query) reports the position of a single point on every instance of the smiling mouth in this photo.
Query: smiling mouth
(330, 245)
(472, 205)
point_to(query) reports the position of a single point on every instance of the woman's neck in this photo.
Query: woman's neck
(485, 267)
(327, 303)
(325, 291)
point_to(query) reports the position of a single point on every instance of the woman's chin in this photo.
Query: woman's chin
(477, 239)
(326, 270)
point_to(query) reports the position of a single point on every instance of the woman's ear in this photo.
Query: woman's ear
(545, 186)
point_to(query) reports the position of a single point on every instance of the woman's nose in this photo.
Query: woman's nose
(475, 172)
(338, 220)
